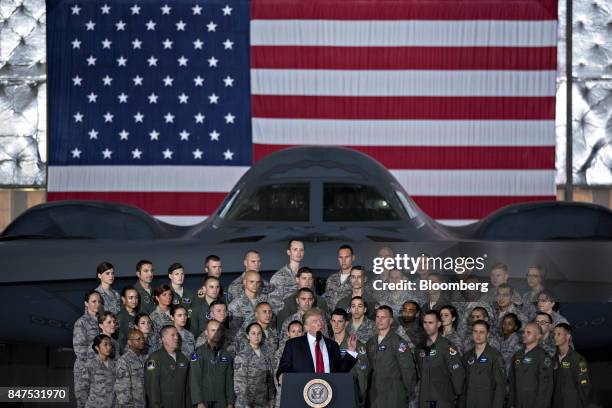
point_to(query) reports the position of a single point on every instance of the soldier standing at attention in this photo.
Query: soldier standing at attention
(129, 385)
(251, 262)
(263, 317)
(531, 382)
(360, 371)
(180, 294)
(110, 297)
(571, 373)
(393, 374)
(144, 285)
(212, 384)
(98, 377)
(409, 327)
(166, 374)
(179, 317)
(160, 317)
(107, 322)
(253, 372)
(511, 341)
(359, 288)
(129, 297)
(440, 367)
(359, 323)
(338, 285)
(485, 379)
(304, 279)
(547, 342)
(284, 280)
(85, 330)
(242, 307)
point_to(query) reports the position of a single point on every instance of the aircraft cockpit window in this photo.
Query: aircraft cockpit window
(274, 202)
(355, 202)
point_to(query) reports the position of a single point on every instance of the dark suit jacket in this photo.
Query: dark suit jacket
(297, 358)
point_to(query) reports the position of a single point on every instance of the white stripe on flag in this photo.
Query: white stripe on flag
(477, 182)
(465, 33)
(403, 132)
(194, 179)
(402, 83)
(144, 178)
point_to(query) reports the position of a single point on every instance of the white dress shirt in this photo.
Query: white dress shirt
(311, 342)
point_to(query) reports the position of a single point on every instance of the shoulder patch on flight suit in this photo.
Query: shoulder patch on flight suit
(452, 351)
(527, 360)
(224, 359)
(362, 350)
(176, 301)
(433, 353)
(483, 359)
(186, 300)
(402, 347)
(517, 361)
(547, 362)
(151, 365)
(455, 366)
(565, 364)
(583, 366)
(382, 347)
(194, 356)
(363, 366)
(471, 361)
(181, 365)
(583, 381)
(342, 352)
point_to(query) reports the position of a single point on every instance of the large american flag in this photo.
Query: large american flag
(164, 105)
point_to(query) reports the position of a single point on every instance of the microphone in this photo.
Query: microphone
(319, 335)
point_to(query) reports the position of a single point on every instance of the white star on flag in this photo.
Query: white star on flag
(106, 153)
(167, 153)
(136, 153)
(214, 135)
(228, 155)
(197, 154)
(76, 153)
(184, 135)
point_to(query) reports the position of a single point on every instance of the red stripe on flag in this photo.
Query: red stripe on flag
(156, 203)
(447, 157)
(404, 10)
(401, 107)
(469, 207)
(401, 58)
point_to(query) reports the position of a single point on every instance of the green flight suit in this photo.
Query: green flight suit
(393, 374)
(531, 379)
(485, 379)
(166, 380)
(199, 317)
(146, 302)
(187, 300)
(572, 383)
(360, 370)
(442, 373)
(212, 376)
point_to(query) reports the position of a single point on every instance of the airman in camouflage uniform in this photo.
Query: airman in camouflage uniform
(212, 374)
(242, 307)
(338, 285)
(263, 317)
(85, 330)
(359, 288)
(547, 342)
(253, 372)
(571, 373)
(440, 366)
(96, 388)
(305, 279)
(359, 324)
(166, 374)
(499, 276)
(111, 300)
(284, 280)
(409, 328)
(395, 299)
(159, 318)
(531, 373)
(361, 369)
(129, 384)
(485, 378)
(252, 262)
(144, 272)
(305, 301)
(393, 372)
(510, 341)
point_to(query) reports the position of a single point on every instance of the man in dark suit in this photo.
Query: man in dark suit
(313, 353)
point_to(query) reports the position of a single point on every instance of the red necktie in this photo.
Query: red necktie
(320, 367)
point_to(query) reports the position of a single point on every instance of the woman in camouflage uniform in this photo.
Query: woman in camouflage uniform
(510, 340)
(110, 297)
(253, 377)
(97, 385)
(85, 330)
(107, 322)
(142, 322)
(161, 315)
(179, 316)
(449, 316)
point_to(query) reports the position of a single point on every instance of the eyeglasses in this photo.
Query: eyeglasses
(542, 322)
